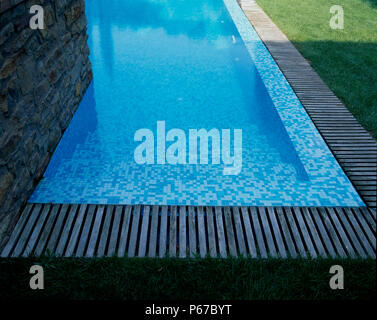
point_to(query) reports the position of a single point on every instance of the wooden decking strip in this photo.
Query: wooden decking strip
(178, 231)
(353, 147)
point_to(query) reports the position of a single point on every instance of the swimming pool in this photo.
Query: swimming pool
(188, 65)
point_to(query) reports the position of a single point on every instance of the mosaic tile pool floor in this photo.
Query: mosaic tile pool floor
(193, 64)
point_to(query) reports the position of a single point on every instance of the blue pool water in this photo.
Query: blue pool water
(192, 64)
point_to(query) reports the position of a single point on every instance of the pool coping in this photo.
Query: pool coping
(352, 146)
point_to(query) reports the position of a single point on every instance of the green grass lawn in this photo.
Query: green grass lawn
(345, 59)
(155, 279)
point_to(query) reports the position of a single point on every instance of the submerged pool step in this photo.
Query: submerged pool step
(85, 230)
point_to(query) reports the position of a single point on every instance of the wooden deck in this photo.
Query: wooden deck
(353, 147)
(156, 231)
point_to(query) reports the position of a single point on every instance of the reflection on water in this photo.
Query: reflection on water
(196, 19)
(174, 17)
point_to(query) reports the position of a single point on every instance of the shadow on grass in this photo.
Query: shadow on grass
(161, 279)
(373, 3)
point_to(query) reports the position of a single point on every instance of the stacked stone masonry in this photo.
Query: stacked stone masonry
(43, 76)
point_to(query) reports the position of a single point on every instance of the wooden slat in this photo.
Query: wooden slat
(114, 232)
(17, 230)
(60, 223)
(230, 232)
(286, 233)
(37, 229)
(317, 240)
(364, 225)
(332, 233)
(295, 232)
(134, 231)
(322, 230)
(305, 232)
(103, 237)
(22, 241)
(368, 217)
(144, 232)
(258, 233)
(153, 236)
(201, 232)
(192, 231)
(94, 235)
(268, 233)
(372, 204)
(182, 232)
(239, 232)
(163, 231)
(75, 231)
(357, 236)
(84, 236)
(42, 242)
(275, 227)
(354, 240)
(373, 213)
(220, 232)
(211, 232)
(343, 236)
(249, 232)
(173, 232)
(126, 226)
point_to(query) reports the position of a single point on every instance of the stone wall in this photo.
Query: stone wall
(43, 76)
